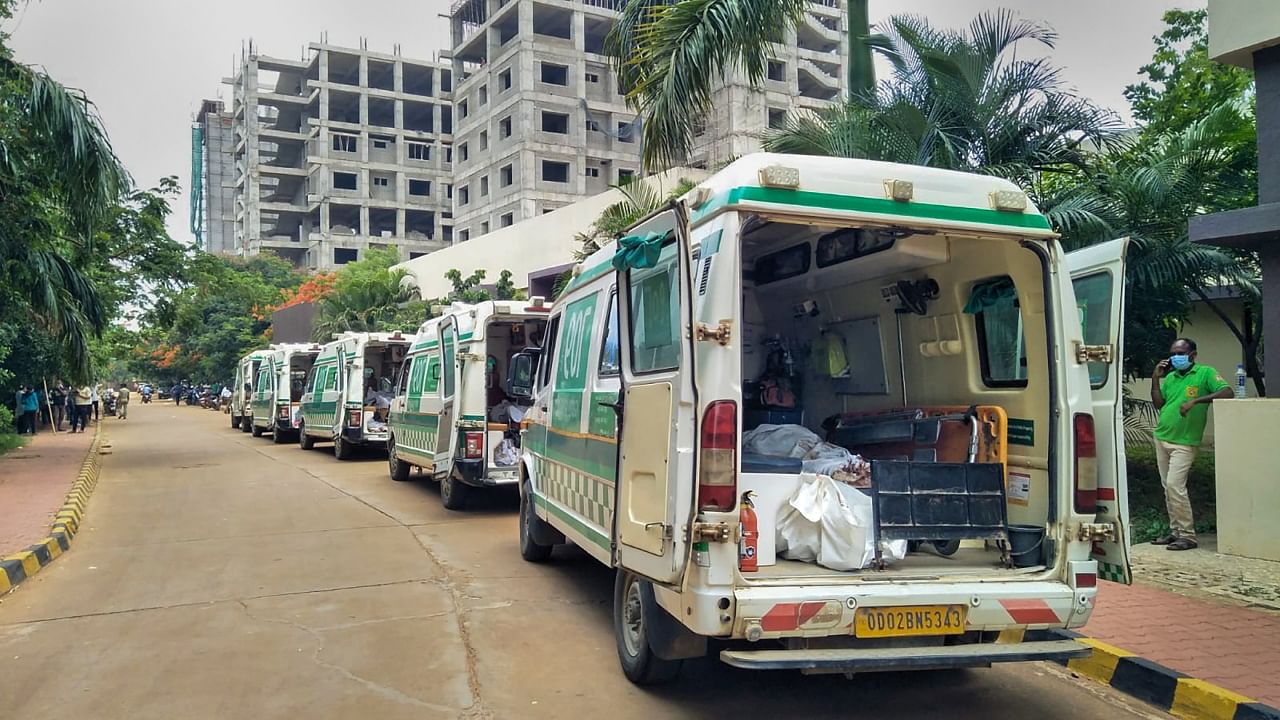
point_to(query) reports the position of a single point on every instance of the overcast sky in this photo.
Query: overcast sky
(149, 63)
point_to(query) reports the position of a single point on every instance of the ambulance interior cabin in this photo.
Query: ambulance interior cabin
(381, 360)
(300, 364)
(504, 337)
(918, 347)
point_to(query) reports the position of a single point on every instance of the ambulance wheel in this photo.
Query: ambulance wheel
(305, 441)
(246, 423)
(235, 421)
(632, 602)
(531, 524)
(257, 431)
(399, 469)
(342, 448)
(279, 437)
(454, 492)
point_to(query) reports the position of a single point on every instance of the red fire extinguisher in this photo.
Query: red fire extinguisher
(747, 559)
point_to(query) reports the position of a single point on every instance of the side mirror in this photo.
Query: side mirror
(520, 375)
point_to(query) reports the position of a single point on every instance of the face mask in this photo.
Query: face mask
(1180, 362)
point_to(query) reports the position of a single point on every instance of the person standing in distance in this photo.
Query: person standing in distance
(1181, 390)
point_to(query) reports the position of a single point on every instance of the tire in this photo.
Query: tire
(279, 437)
(342, 448)
(305, 441)
(946, 548)
(235, 421)
(398, 469)
(257, 431)
(631, 604)
(454, 492)
(530, 549)
(246, 424)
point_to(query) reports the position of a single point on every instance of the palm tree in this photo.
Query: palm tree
(958, 100)
(59, 176)
(638, 200)
(670, 54)
(1147, 193)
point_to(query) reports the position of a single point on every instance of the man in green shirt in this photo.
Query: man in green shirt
(1182, 390)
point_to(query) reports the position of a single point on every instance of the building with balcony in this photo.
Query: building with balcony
(540, 122)
(341, 151)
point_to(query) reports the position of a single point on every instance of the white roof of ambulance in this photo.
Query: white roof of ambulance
(847, 189)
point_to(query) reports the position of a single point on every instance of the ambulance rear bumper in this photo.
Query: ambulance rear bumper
(903, 658)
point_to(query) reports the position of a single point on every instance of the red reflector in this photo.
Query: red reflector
(284, 412)
(1106, 493)
(355, 418)
(718, 460)
(1086, 469)
(1086, 580)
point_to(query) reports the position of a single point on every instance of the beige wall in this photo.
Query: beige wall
(1248, 493)
(1238, 28)
(1217, 348)
(530, 245)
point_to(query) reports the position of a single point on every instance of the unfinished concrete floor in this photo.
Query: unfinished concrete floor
(221, 576)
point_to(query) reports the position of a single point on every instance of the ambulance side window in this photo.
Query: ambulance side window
(549, 352)
(609, 361)
(1002, 344)
(655, 315)
(311, 378)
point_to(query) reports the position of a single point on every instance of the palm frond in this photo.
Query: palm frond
(77, 149)
(670, 55)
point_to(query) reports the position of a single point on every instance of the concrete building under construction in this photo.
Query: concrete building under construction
(540, 121)
(343, 150)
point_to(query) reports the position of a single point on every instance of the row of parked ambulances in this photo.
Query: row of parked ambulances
(395, 391)
(908, 347)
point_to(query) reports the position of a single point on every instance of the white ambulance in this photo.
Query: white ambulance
(276, 403)
(242, 389)
(451, 415)
(347, 397)
(923, 326)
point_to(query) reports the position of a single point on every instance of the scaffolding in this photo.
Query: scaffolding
(197, 184)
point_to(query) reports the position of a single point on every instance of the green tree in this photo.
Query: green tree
(367, 296)
(59, 178)
(219, 311)
(639, 199)
(962, 100)
(1181, 83)
(669, 56)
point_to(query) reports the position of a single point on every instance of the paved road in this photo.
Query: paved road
(222, 576)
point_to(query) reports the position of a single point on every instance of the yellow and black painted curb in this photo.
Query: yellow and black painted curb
(1177, 693)
(21, 565)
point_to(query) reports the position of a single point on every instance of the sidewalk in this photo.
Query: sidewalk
(1214, 617)
(34, 482)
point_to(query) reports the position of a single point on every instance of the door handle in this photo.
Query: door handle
(617, 407)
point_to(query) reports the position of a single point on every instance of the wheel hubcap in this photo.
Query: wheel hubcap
(632, 618)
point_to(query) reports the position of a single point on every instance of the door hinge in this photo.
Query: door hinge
(720, 333)
(1097, 532)
(1094, 353)
(663, 527)
(714, 532)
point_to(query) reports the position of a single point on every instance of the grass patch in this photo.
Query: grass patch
(10, 441)
(1147, 516)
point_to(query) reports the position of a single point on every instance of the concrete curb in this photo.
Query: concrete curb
(1178, 694)
(23, 564)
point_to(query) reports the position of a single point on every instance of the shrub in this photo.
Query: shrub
(1147, 516)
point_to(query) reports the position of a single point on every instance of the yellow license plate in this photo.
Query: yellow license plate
(874, 622)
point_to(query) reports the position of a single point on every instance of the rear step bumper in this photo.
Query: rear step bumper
(912, 658)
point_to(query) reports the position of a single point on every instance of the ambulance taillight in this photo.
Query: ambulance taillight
(1086, 470)
(718, 457)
